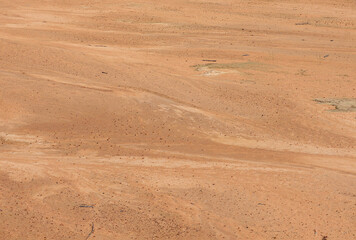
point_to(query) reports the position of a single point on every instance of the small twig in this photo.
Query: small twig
(91, 232)
(302, 23)
(86, 206)
(207, 60)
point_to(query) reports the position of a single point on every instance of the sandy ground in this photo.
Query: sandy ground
(179, 119)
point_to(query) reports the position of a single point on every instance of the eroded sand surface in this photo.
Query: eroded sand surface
(177, 119)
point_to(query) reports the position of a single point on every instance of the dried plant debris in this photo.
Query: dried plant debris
(212, 69)
(91, 232)
(240, 65)
(86, 206)
(340, 104)
(303, 23)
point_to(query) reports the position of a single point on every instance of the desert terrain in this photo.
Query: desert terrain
(178, 119)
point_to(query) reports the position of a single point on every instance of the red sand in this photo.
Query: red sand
(110, 104)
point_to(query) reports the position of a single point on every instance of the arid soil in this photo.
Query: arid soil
(178, 119)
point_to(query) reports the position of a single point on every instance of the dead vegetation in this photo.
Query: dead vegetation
(340, 104)
(232, 66)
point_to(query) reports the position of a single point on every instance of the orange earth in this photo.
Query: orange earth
(179, 119)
